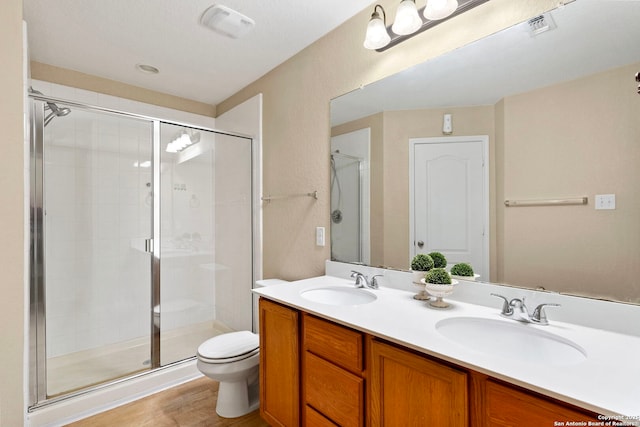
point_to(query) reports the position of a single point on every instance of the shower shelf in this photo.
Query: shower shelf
(269, 198)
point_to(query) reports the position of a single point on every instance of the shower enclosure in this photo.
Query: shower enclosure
(141, 244)
(346, 208)
(351, 197)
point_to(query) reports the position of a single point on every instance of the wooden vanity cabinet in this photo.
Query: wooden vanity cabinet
(279, 364)
(408, 389)
(316, 373)
(503, 405)
(332, 374)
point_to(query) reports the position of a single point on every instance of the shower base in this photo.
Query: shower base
(75, 371)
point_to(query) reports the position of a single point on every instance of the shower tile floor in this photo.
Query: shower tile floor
(82, 369)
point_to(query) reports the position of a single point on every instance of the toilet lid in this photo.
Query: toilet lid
(230, 346)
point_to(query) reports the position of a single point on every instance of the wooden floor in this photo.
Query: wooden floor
(189, 404)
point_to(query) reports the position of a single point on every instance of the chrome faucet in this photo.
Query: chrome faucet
(516, 309)
(520, 312)
(362, 281)
(539, 315)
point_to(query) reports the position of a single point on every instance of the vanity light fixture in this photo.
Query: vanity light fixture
(182, 141)
(410, 21)
(377, 35)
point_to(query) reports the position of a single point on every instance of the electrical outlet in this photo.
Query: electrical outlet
(605, 201)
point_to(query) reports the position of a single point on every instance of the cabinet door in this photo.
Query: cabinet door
(279, 361)
(411, 390)
(506, 406)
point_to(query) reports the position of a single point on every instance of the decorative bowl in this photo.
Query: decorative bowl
(439, 291)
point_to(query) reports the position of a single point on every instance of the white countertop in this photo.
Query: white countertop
(606, 382)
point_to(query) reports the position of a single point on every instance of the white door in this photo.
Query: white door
(449, 199)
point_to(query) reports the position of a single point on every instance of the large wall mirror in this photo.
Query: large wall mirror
(556, 101)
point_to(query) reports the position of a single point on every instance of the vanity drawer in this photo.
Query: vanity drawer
(333, 392)
(314, 418)
(340, 345)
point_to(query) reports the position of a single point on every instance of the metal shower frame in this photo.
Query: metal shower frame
(37, 310)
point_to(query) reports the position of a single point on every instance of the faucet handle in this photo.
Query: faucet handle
(539, 315)
(507, 310)
(374, 281)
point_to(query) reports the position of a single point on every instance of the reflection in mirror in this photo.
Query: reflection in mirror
(556, 99)
(350, 227)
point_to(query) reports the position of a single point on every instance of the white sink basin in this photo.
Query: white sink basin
(511, 340)
(339, 296)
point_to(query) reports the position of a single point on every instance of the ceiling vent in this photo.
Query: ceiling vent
(226, 21)
(541, 24)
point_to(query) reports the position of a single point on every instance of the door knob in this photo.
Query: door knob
(420, 243)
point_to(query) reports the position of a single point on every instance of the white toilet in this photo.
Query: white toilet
(232, 359)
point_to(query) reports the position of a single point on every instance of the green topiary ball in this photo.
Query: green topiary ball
(462, 269)
(439, 260)
(421, 262)
(438, 276)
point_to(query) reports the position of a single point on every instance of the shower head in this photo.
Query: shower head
(55, 110)
(59, 112)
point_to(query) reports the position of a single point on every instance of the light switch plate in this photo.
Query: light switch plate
(319, 236)
(447, 124)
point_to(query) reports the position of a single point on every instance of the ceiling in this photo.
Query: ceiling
(108, 38)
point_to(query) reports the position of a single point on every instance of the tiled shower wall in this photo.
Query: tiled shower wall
(101, 201)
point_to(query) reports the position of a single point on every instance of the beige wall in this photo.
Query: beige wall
(399, 127)
(296, 147)
(12, 249)
(296, 118)
(571, 140)
(49, 73)
(390, 134)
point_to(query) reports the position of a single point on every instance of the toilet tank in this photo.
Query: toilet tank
(259, 284)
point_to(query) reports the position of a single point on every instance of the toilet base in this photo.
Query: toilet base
(236, 399)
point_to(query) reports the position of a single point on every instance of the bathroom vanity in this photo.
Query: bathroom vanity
(326, 361)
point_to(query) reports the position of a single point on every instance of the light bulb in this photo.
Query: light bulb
(377, 35)
(439, 9)
(407, 19)
(171, 147)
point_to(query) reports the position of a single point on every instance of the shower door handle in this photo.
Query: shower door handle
(148, 245)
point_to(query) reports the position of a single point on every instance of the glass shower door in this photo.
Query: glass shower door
(96, 217)
(141, 244)
(346, 208)
(206, 268)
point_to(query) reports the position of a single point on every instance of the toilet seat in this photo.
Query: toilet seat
(229, 347)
